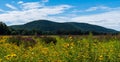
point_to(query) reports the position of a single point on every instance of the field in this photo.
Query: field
(66, 49)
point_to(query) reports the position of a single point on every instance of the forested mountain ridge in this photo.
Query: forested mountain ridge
(49, 26)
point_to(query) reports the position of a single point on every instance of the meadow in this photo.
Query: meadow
(104, 48)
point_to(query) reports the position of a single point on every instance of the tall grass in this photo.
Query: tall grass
(67, 49)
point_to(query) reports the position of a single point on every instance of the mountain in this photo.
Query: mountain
(46, 25)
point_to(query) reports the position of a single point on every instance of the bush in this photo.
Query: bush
(48, 40)
(14, 40)
(25, 41)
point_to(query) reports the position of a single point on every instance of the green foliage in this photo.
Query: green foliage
(48, 39)
(4, 30)
(25, 41)
(15, 40)
(49, 27)
(68, 49)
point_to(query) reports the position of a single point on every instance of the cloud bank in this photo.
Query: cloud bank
(109, 19)
(31, 11)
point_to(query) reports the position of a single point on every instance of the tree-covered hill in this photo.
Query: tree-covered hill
(55, 27)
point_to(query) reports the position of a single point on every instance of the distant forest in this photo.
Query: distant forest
(5, 30)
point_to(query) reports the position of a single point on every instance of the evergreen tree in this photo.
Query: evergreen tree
(4, 30)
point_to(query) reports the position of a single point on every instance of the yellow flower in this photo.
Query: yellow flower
(44, 50)
(66, 45)
(13, 55)
(70, 37)
(8, 57)
(94, 44)
(83, 56)
(55, 54)
(0, 60)
(72, 44)
(25, 55)
(111, 50)
(100, 57)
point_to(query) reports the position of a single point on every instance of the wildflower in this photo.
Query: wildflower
(111, 50)
(2, 41)
(55, 54)
(118, 55)
(0, 60)
(44, 50)
(72, 44)
(100, 57)
(13, 55)
(66, 45)
(25, 55)
(70, 37)
(32, 53)
(83, 56)
(71, 47)
(10, 56)
(94, 44)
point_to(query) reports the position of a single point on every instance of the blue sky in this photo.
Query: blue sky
(104, 13)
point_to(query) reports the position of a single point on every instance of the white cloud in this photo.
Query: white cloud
(34, 13)
(11, 6)
(20, 2)
(98, 8)
(109, 19)
(54, 9)
(95, 8)
(31, 5)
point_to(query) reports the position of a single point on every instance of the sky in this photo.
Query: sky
(104, 13)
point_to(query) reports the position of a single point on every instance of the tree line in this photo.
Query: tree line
(5, 30)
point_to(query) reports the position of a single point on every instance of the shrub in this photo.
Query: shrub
(14, 40)
(25, 41)
(48, 40)
(28, 41)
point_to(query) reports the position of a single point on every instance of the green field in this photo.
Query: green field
(67, 49)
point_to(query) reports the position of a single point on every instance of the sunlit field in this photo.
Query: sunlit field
(65, 49)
